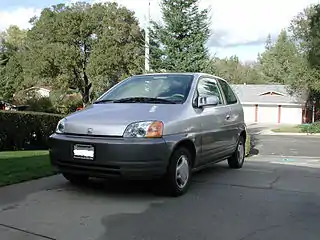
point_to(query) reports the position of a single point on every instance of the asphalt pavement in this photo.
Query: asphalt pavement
(276, 195)
(278, 145)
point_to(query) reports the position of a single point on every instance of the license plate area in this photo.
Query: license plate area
(82, 151)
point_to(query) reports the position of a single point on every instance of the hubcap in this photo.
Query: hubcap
(240, 152)
(182, 171)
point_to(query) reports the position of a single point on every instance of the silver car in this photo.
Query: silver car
(153, 127)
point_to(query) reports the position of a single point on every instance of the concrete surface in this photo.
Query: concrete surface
(275, 196)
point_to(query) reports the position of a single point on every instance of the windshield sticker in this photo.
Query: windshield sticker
(153, 109)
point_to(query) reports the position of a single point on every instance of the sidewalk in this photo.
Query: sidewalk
(269, 132)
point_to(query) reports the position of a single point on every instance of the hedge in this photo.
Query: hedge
(26, 130)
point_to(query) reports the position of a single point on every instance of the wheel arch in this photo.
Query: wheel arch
(188, 144)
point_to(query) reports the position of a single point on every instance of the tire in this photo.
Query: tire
(237, 159)
(76, 179)
(176, 184)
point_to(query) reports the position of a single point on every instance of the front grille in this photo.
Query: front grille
(89, 167)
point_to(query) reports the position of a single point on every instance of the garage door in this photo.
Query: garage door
(249, 113)
(267, 114)
(291, 115)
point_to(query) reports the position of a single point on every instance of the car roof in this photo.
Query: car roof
(195, 74)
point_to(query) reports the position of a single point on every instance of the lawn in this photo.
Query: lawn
(288, 129)
(19, 166)
(310, 128)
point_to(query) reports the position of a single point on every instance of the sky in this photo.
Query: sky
(239, 27)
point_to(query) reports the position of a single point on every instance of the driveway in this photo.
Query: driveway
(282, 145)
(272, 197)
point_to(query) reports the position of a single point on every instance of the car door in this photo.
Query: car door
(212, 121)
(235, 118)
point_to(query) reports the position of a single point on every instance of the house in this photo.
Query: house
(40, 92)
(271, 104)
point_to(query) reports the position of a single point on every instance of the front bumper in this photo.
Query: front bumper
(113, 157)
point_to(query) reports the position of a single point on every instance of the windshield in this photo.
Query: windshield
(166, 89)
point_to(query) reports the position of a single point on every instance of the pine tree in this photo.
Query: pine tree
(268, 42)
(278, 62)
(179, 44)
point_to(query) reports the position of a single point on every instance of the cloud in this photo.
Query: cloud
(234, 22)
(18, 16)
(248, 21)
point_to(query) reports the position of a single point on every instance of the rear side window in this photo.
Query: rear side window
(228, 92)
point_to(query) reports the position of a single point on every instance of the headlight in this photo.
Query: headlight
(145, 129)
(61, 126)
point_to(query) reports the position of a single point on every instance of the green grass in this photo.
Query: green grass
(19, 166)
(288, 129)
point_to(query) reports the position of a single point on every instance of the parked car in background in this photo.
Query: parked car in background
(153, 127)
(7, 106)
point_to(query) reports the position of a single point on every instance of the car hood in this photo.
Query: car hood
(111, 119)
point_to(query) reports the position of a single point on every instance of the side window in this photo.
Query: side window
(208, 87)
(228, 92)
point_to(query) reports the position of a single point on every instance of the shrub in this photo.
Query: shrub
(40, 105)
(311, 128)
(26, 130)
(67, 103)
(34, 101)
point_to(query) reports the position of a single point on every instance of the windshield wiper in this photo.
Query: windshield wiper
(144, 100)
(103, 101)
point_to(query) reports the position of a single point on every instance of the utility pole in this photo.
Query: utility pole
(147, 42)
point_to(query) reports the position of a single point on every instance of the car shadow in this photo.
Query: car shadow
(254, 142)
(121, 188)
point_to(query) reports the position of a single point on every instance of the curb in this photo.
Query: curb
(269, 132)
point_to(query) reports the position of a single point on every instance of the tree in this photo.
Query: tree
(235, 71)
(277, 62)
(299, 28)
(314, 39)
(180, 42)
(85, 47)
(314, 45)
(12, 46)
(268, 42)
(303, 29)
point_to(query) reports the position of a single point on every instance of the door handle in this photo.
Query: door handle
(228, 117)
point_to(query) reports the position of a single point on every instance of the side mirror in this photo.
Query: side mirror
(208, 101)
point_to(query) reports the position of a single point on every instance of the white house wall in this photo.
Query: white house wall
(44, 92)
(291, 114)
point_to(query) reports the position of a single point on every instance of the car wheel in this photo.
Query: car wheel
(75, 178)
(237, 159)
(178, 177)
